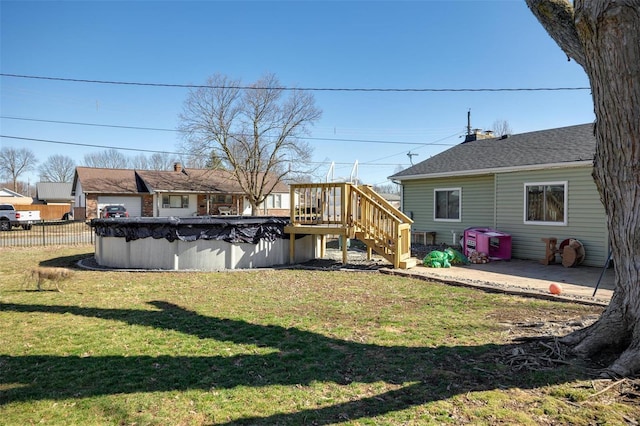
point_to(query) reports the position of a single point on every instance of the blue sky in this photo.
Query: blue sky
(452, 44)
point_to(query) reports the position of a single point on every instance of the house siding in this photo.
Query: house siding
(477, 205)
(586, 218)
(175, 211)
(502, 207)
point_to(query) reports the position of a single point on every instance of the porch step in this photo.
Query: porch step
(389, 253)
(409, 263)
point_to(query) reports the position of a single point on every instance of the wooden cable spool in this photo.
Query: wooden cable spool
(572, 252)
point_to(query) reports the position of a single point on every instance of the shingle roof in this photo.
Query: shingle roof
(120, 181)
(111, 181)
(534, 149)
(196, 180)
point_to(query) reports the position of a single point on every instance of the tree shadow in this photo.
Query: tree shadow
(69, 262)
(298, 357)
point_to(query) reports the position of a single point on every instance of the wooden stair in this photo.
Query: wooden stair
(352, 212)
(385, 250)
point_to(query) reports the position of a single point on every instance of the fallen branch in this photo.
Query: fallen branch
(607, 388)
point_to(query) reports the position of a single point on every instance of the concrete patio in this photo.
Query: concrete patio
(526, 277)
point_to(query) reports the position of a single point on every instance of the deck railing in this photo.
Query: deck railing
(376, 221)
(354, 211)
(319, 203)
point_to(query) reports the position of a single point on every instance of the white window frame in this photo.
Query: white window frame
(173, 196)
(274, 201)
(565, 207)
(435, 204)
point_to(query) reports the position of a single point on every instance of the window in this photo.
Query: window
(447, 204)
(274, 201)
(175, 201)
(224, 199)
(545, 203)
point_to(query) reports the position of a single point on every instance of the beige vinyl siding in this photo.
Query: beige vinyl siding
(586, 218)
(477, 204)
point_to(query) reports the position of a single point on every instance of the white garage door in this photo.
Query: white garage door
(132, 204)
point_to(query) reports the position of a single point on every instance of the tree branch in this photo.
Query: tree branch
(557, 17)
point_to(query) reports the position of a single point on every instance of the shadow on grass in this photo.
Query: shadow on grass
(70, 262)
(419, 374)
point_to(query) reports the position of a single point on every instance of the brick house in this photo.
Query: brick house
(180, 192)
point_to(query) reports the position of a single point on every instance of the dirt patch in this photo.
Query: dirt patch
(357, 257)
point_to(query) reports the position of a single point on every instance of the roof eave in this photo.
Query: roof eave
(489, 171)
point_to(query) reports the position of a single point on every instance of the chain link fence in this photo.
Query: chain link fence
(49, 233)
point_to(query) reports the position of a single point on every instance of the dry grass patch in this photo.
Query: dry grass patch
(285, 347)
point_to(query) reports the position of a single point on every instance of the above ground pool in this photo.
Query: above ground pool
(204, 243)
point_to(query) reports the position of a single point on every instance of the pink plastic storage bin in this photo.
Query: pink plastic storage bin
(496, 244)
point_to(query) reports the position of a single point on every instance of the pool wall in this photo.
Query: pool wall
(201, 255)
(203, 244)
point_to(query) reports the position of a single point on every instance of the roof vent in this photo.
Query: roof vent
(504, 137)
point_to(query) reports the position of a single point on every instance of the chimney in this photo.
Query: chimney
(177, 167)
(473, 135)
(478, 134)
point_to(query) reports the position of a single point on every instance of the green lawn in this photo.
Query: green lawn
(280, 347)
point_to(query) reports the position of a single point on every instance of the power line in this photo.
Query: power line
(315, 89)
(91, 145)
(155, 151)
(76, 123)
(178, 131)
(423, 145)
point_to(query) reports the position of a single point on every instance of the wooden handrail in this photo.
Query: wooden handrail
(381, 200)
(358, 211)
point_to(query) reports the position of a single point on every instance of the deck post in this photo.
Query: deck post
(398, 251)
(292, 248)
(344, 248)
(323, 245)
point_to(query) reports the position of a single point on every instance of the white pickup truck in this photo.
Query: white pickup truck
(10, 217)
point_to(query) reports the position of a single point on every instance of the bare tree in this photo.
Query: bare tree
(159, 161)
(139, 162)
(57, 168)
(207, 160)
(389, 188)
(501, 128)
(603, 36)
(22, 187)
(107, 159)
(14, 162)
(255, 132)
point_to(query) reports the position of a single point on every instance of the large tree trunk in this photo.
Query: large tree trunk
(604, 37)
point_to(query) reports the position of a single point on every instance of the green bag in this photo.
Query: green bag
(437, 259)
(456, 258)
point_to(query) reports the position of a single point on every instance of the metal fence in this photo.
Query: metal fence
(49, 233)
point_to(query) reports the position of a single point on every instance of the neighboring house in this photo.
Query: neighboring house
(393, 199)
(53, 193)
(54, 200)
(180, 192)
(531, 186)
(8, 196)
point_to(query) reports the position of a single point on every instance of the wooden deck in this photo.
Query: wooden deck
(350, 211)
